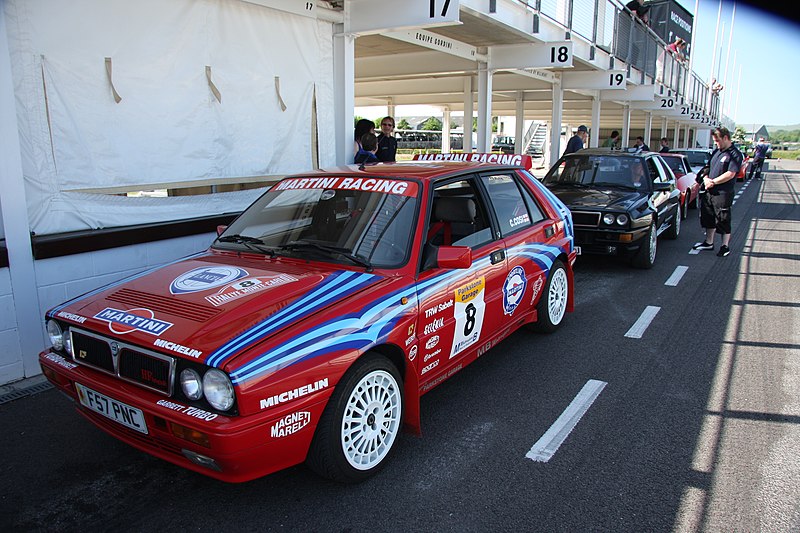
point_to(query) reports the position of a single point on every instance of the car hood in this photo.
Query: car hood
(193, 308)
(596, 198)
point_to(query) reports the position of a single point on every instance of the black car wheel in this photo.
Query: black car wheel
(675, 226)
(553, 302)
(646, 255)
(685, 207)
(359, 427)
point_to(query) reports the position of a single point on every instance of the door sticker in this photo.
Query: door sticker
(514, 289)
(469, 311)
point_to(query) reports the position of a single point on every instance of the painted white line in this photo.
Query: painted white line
(676, 276)
(638, 328)
(548, 444)
(694, 252)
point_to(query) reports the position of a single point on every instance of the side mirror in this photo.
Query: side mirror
(221, 229)
(454, 257)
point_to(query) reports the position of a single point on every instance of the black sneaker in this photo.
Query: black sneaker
(724, 251)
(703, 246)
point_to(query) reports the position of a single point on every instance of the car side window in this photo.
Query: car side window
(653, 169)
(458, 216)
(509, 205)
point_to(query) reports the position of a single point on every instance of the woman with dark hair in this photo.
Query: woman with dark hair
(362, 126)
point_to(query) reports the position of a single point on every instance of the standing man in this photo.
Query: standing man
(716, 200)
(759, 154)
(576, 141)
(640, 145)
(612, 141)
(664, 145)
(387, 144)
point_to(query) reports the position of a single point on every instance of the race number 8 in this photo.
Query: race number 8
(469, 325)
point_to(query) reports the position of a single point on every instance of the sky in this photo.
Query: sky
(764, 47)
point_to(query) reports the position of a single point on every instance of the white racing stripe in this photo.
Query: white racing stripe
(676, 276)
(640, 326)
(548, 444)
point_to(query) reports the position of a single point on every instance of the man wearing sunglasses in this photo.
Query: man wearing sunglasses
(387, 144)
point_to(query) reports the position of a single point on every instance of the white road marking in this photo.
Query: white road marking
(676, 276)
(548, 444)
(640, 326)
(694, 252)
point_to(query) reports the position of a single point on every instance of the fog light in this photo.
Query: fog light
(625, 237)
(201, 460)
(189, 434)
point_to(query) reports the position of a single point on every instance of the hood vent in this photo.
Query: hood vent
(164, 304)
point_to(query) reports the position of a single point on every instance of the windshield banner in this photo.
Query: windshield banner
(522, 160)
(399, 187)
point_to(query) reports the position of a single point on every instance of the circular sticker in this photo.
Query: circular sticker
(513, 289)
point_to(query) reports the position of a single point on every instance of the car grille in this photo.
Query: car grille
(151, 370)
(586, 218)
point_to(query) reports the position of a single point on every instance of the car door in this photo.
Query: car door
(665, 202)
(459, 309)
(526, 233)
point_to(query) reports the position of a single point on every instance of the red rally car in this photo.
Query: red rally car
(316, 320)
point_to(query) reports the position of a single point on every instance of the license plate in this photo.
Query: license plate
(119, 412)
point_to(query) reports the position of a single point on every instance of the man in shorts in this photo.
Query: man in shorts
(717, 197)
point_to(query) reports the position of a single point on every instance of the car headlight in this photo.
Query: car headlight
(622, 219)
(191, 384)
(218, 389)
(55, 334)
(608, 218)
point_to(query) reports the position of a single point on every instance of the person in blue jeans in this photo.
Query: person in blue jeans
(759, 155)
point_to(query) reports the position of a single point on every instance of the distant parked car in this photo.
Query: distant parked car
(503, 144)
(620, 202)
(685, 180)
(698, 157)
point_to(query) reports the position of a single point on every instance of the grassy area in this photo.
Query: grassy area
(785, 154)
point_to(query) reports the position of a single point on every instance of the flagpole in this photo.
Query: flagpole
(728, 56)
(714, 57)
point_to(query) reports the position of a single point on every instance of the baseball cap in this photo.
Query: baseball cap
(583, 128)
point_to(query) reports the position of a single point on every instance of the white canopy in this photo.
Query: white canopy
(208, 90)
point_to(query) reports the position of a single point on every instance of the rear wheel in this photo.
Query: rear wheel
(685, 206)
(359, 427)
(553, 303)
(646, 255)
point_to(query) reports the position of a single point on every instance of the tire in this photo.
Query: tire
(552, 304)
(351, 444)
(646, 255)
(696, 203)
(674, 229)
(685, 207)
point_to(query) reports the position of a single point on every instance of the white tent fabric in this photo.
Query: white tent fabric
(168, 126)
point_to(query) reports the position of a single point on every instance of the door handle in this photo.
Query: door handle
(497, 256)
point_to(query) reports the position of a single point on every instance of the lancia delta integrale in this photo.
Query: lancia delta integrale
(312, 325)
(620, 202)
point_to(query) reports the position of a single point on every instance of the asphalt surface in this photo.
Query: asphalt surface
(696, 429)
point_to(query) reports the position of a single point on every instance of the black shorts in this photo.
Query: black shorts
(715, 210)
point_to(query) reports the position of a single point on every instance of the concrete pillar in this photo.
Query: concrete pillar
(343, 93)
(594, 138)
(468, 105)
(17, 230)
(648, 131)
(445, 130)
(676, 135)
(626, 127)
(555, 123)
(519, 130)
(484, 108)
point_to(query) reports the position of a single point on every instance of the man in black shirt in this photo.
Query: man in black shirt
(576, 141)
(717, 198)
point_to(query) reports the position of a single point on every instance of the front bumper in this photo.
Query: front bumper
(600, 241)
(235, 449)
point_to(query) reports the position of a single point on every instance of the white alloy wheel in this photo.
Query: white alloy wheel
(371, 420)
(557, 296)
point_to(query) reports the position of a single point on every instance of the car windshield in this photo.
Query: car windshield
(367, 222)
(598, 170)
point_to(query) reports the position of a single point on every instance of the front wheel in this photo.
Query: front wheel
(646, 255)
(359, 427)
(674, 229)
(553, 303)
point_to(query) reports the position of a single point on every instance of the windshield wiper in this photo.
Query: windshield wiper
(344, 252)
(253, 243)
